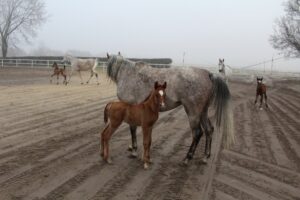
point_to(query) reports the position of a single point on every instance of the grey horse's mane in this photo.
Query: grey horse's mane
(114, 64)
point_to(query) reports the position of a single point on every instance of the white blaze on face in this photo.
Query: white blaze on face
(161, 94)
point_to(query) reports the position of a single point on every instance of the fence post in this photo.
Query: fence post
(31, 63)
(16, 63)
(48, 63)
(2, 62)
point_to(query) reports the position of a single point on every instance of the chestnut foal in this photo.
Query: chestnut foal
(261, 91)
(144, 114)
(58, 72)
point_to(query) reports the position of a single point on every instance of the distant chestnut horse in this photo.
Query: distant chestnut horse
(144, 114)
(58, 72)
(261, 91)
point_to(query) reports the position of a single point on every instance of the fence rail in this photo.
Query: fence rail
(37, 63)
(33, 63)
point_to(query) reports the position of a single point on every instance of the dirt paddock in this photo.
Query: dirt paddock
(49, 145)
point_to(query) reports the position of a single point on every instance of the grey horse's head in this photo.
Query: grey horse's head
(221, 65)
(113, 65)
(67, 58)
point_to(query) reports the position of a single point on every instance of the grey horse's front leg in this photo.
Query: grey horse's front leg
(197, 133)
(133, 146)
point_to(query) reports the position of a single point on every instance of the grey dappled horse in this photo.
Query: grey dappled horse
(82, 65)
(193, 88)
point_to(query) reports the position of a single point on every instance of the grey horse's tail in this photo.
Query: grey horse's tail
(223, 111)
(95, 64)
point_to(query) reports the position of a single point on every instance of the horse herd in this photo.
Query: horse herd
(144, 91)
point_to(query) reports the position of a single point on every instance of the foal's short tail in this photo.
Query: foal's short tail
(106, 109)
(223, 114)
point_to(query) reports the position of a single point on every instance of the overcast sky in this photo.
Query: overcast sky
(237, 30)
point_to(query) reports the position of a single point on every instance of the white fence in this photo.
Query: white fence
(32, 63)
(37, 63)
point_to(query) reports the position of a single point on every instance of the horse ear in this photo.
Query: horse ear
(107, 55)
(119, 53)
(165, 85)
(223, 59)
(156, 85)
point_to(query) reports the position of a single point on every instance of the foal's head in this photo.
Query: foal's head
(55, 65)
(160, 94)
(259, 80)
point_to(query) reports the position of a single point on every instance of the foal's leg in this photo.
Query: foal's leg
(255, 99)
(57, 77)
(51, 77)
(147, 139)
(113, 126)
(102, 140)
(133, 146)
(261, 101)
(266, 102)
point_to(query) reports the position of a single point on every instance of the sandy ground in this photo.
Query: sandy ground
(49, 145)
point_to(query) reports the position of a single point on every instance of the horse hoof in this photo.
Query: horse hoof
(98, 83)
(109, 161)
(129, 148)
(260, 108)
(185, 162)
(81, 83)
(134, 154)
(146, 166)
(204, 160)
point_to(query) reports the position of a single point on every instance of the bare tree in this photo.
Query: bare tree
(19, 19)
(286, 37)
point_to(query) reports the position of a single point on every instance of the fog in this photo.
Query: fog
(237, 31)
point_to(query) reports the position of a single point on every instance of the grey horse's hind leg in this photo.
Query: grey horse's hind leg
(80, 76)
(133, 146)
(96, 74)
(92, 74)
(208, 130)
(197, 133)
(71, 73)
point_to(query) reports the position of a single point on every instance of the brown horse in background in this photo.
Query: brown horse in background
(261, 90)
(144, 114)
(57, 71)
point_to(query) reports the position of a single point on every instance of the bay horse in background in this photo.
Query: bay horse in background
(144, 114)
(82, 65)
(261, 90)
(194, 88)
(57, 71)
